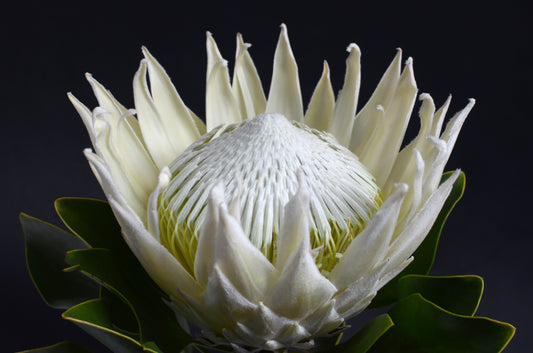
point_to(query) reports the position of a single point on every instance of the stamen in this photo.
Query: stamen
(266, 154)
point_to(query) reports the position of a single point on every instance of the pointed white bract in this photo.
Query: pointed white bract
(344, 113)
(220, 103)
(322, 104)
(247, 86)
(268, 227)
(285, 96)
(365, 121)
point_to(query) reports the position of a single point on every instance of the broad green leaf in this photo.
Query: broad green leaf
(420, 326)
(62, 347)
(99, 265)
(92, 316)
(425, 254)
(156, 321)
(121, 313)
(93, 221)
(45, 256)
(367, 336)
(457, 294)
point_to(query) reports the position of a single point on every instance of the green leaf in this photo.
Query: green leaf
(119, 270)
(62, 347)
(425, 254)
(152, 347)
(156, 321)
(457, 294)
(92, 316)
(45, 256)
(99, 265)
(122, 315)
(420, 326)
(367, 336)
(93, 221)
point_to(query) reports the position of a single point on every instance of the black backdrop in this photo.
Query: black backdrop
(467, 49)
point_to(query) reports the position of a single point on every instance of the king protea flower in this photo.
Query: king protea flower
(266, 226)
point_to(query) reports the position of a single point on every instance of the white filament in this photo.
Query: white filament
(267, 153)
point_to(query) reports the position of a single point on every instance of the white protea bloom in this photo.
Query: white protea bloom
(267, 226)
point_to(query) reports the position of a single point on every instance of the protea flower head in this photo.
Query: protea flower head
(266, 226)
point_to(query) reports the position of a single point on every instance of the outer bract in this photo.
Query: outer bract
(267, 226)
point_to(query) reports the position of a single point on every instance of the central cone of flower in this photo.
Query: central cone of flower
(258, 162)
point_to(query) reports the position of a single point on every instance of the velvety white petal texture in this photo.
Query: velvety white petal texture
(344, 113)
(410, 236)
(365, 121)
(178, 120)
(295, 226)
(221, 107)
(220, 103)
(163, 148)
(246, 84)
(284, 96)
(301, 287)
(153, 217)
(320, 110)
(381, 150)
(244, 265)
(206, 241)
(105, 148)
(372, 244)
(222, 300)
(86, 116)
(155, 258)
(106, 99)
(113, 136)
(268, 229)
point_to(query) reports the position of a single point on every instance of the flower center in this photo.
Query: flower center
(258, 162)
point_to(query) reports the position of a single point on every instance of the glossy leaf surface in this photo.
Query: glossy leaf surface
(93, 317)
(457, 294)
(93, 221)
(120, 312)
(363, 340)
(420, 326)
(45, 255)
(156, 322)
(112, 263)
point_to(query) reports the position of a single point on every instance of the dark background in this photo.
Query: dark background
(467, 49)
